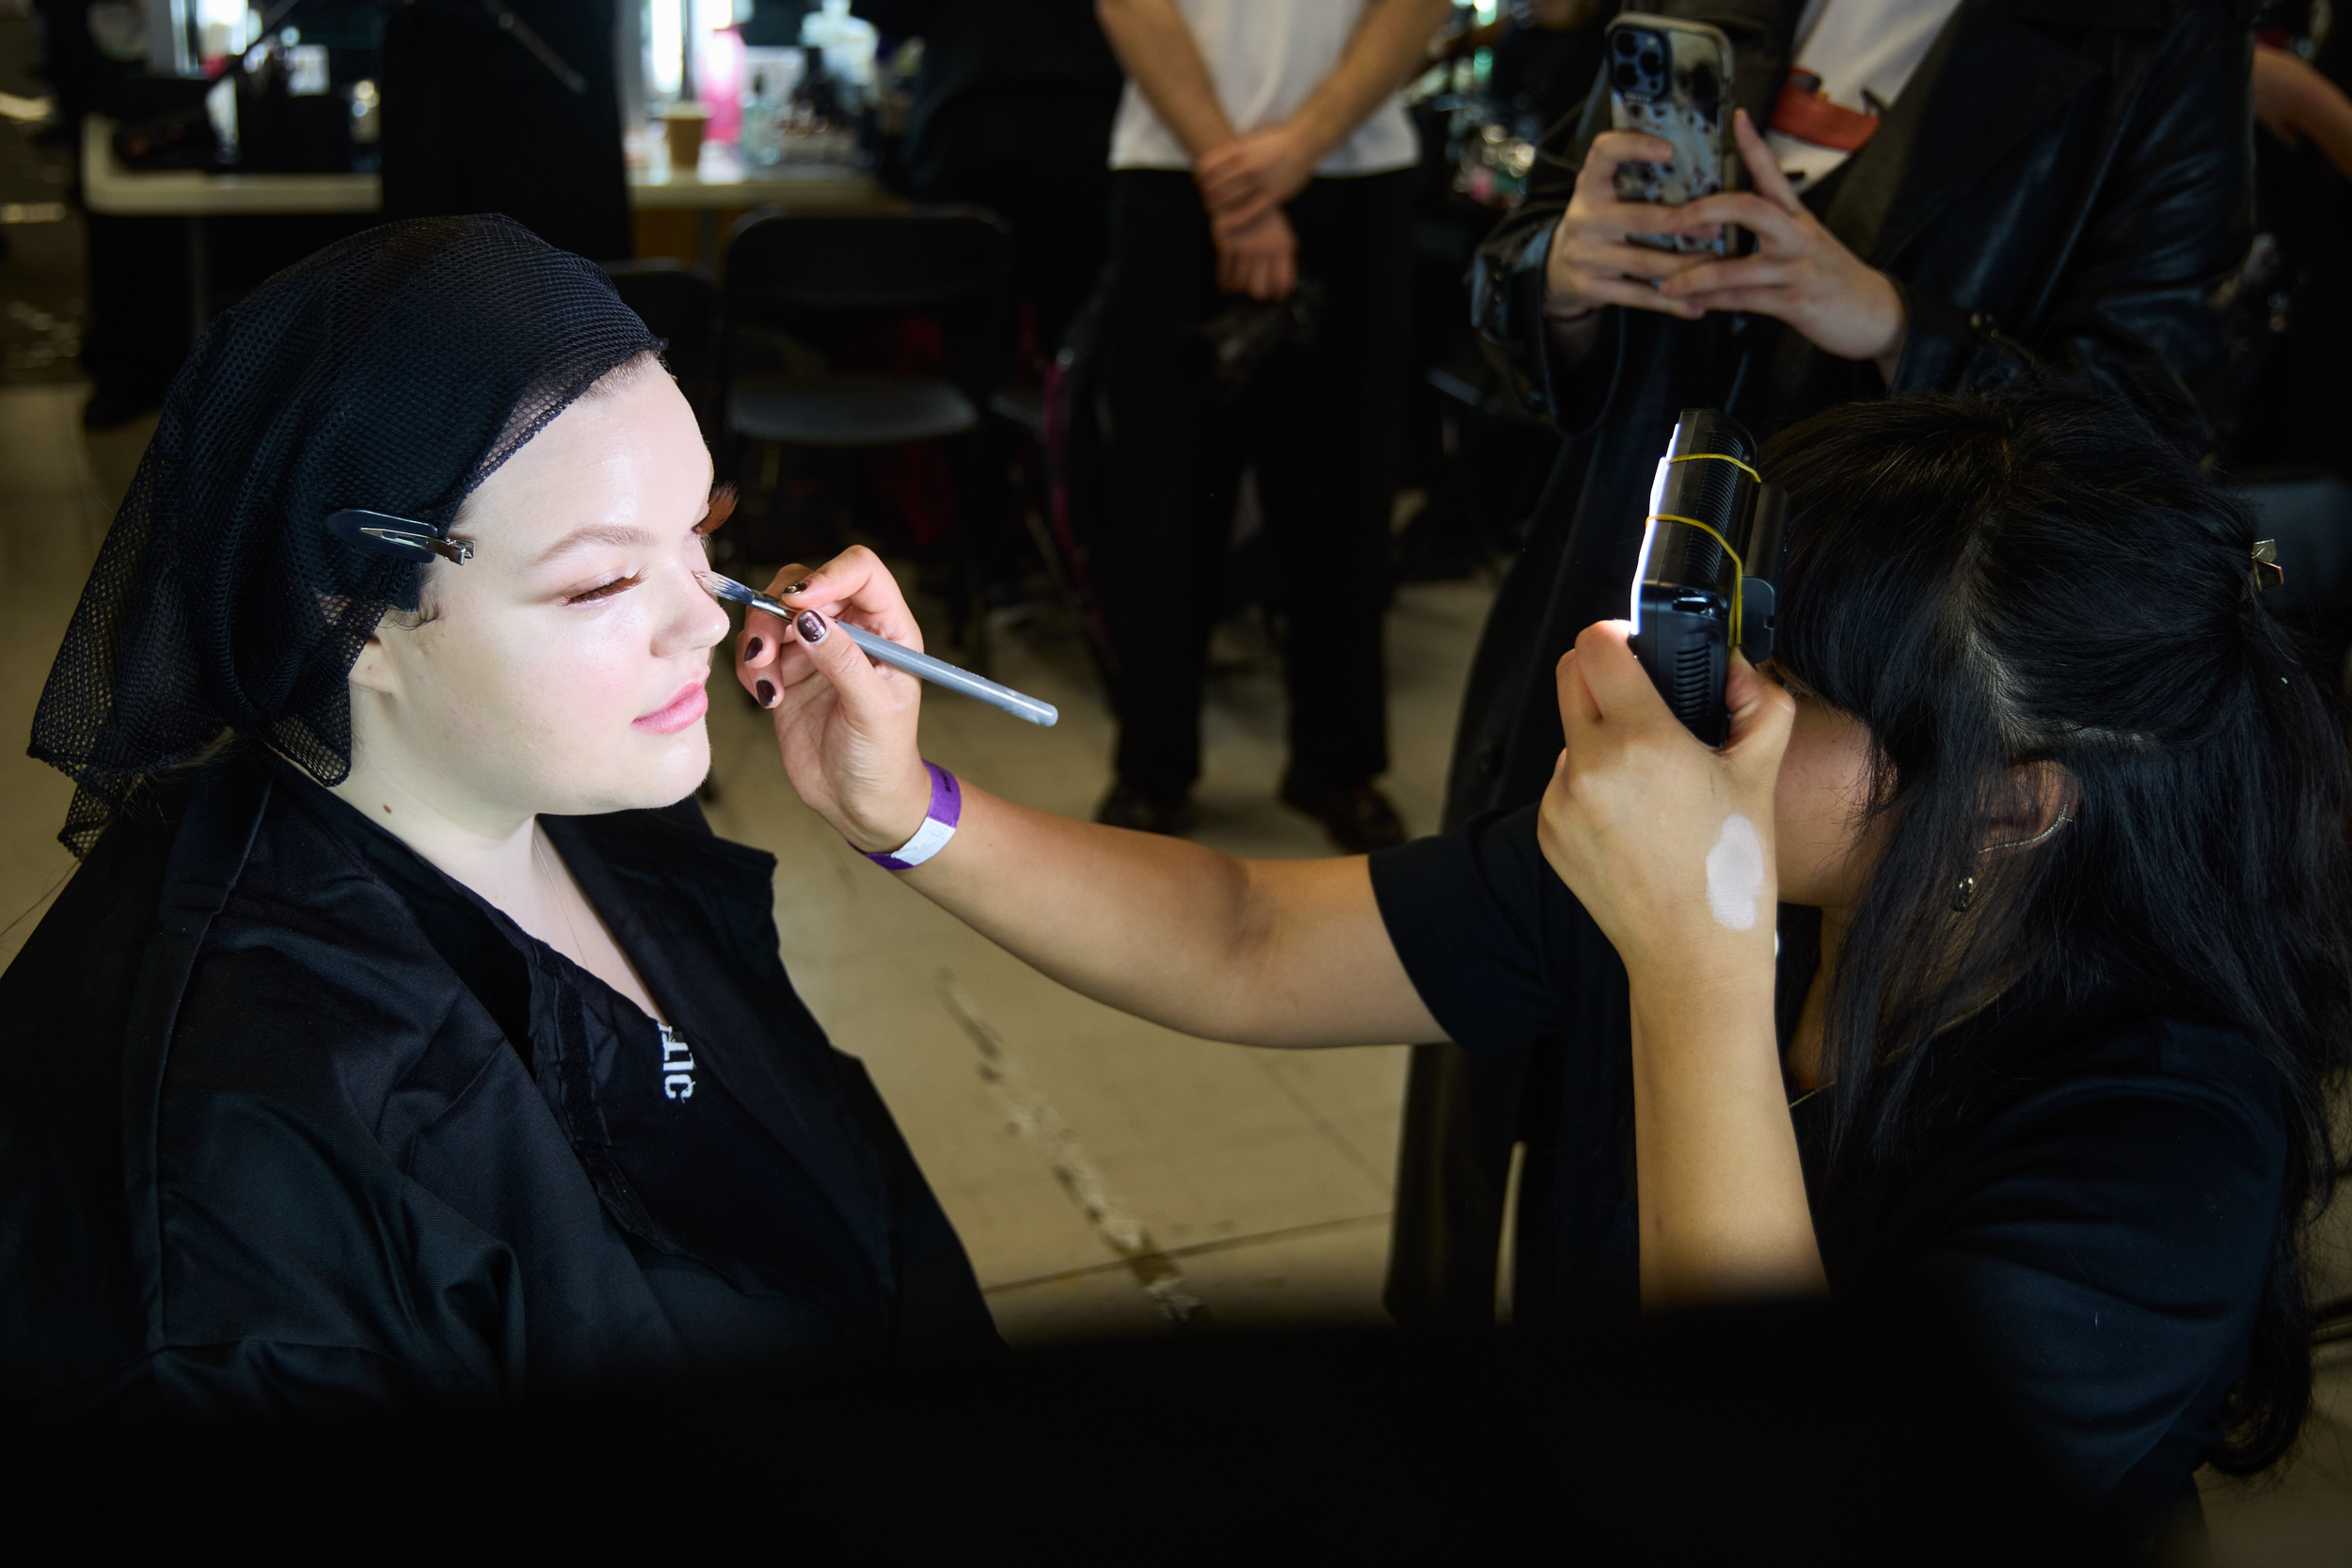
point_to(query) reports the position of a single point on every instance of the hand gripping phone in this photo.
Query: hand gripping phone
(1672, 79)
(1711, 549)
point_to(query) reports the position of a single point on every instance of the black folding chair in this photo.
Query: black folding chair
(820, 276)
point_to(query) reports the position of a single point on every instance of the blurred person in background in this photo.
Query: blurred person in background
(1943, 192)
(1261, 152)
(1013, 111)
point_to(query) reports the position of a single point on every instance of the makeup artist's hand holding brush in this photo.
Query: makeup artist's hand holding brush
(845, 725)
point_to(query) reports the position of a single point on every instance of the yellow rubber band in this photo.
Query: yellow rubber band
(1718, 457)
(1738, 568)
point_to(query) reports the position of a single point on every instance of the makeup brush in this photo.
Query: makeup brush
(938, 672)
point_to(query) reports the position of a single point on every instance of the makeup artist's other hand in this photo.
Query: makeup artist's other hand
(1259, 261)
(1801, 273)
(845, 725)
(1643, 821)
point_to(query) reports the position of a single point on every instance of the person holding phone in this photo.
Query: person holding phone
(1940, 192)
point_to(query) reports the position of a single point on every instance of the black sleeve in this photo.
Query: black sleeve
(2100, 1247)
(1485, 928)
(2171, 222)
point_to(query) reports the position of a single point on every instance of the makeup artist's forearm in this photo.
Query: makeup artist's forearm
(1287, 953)
(1723, 1202)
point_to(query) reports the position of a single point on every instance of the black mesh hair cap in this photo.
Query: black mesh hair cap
(392, 371)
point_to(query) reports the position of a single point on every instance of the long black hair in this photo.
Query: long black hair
(2038, 577)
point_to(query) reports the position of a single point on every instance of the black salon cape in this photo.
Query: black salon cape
(263, 1151)
(2091, 1230)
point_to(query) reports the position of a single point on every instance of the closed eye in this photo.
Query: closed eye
(606, 591)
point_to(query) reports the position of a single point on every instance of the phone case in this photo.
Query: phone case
(1672, 79)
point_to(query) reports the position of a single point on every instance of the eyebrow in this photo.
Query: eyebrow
(594, 533)
(616, 533)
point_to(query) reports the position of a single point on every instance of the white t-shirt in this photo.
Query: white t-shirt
(1265, 56)
(1861, 53)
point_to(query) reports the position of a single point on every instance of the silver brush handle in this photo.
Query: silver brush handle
(899, 657)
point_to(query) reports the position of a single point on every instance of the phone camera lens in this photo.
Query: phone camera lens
(1628, 43)
(1652, 63)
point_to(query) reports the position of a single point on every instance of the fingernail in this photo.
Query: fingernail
(797, 588)
(811, 627)
(751, 649)
(766, 694)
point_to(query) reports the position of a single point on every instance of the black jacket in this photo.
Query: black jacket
(264, 1151)
(2062, 182)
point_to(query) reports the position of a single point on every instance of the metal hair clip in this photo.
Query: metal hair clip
(2267, 572)
(387, 536)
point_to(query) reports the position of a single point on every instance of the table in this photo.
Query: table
(719, 182)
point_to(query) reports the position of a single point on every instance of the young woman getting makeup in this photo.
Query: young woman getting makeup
(406, 1033)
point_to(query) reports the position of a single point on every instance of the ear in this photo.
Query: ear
(2035, 800)
(376, 669)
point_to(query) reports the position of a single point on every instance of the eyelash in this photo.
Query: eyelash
(606, 591)
(721, 504)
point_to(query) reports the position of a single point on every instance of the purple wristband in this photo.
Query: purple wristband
(939, 824)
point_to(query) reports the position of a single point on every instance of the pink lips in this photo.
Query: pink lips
(691, 703)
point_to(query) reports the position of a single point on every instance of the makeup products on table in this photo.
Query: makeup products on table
(938, 672)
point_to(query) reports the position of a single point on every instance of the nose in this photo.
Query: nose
(691, 620)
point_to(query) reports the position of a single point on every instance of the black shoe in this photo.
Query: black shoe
(1358, 816)
(1148, 810)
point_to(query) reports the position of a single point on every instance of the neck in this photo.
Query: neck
(486, 847)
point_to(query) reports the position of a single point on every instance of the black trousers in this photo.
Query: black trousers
(1319, 421)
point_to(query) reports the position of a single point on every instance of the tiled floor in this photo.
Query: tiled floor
(1108, 1174)
(1105, 1174)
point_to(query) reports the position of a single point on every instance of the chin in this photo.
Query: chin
(635, 776)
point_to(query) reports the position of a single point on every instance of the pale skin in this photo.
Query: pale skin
(1800, 274)
(1244, 178)
(560, 670)
(1294, 953)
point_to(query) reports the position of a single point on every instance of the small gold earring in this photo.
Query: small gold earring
(1963, 894)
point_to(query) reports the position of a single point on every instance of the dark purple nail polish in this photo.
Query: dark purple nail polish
(766, 694)
(797, 588)
(751, 649)
(811, 627)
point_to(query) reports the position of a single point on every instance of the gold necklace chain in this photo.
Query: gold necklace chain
(556, 886)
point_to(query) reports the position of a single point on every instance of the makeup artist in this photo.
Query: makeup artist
(406, 1033)
(1962, 986)
(1944, 192)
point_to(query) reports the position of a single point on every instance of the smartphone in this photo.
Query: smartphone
(1672, 79)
